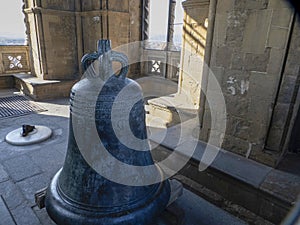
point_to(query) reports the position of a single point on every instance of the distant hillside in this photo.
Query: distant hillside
(11, 41)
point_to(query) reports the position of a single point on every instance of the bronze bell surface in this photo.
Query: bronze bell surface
(108, 177)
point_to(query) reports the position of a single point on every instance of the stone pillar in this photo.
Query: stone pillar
(145, 20)
(53, 43)
(27, 33)
(193, 49)
(171, 19)
(287, 101)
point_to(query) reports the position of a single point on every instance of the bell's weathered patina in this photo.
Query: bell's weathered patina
(87, 189)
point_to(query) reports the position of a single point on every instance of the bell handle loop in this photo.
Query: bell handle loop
(121, 58)
(88, 59)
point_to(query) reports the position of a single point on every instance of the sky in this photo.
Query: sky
(159, 18)
(12, 19)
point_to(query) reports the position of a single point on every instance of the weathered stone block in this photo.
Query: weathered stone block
(135, 20)
(118, 30)
(67, 5)
(225, 6)
(237, 61)
(223, 56)
(257, 132)
(220, 30)
(257, 4)
(89, 5)
(257, 62)
(6, 82)
(240, 5)
(260, 111)
(282, 184)
(60, 49)
(287, 89)
(257, 87)
(277, 37)
(260, 155)
(280, 114)
(235, 145)
(292, 69)
(256, 32)
(274, 139)
(234, 37)
(238, 127)
(237, 105)
(275, 61)
(282, 17)
(278, 4)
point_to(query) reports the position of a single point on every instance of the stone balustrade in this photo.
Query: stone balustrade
(14, 59)
(161, 62)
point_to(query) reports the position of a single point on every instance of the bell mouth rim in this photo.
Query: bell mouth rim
(64, 213)
(137, 203)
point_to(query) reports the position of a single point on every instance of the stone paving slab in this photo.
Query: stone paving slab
(21, 167)
(24, 215)
(3, 174)
(11, 194)
(5, 216)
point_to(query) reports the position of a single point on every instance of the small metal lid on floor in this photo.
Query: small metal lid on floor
(34, 135)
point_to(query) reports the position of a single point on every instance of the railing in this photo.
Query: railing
(14, 59)
(161, 62)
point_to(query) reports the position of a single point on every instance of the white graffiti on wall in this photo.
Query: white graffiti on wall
(235, 87)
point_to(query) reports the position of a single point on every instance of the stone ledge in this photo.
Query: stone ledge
(174, 109)
(263, 190)
(38, 88)
(32, 80)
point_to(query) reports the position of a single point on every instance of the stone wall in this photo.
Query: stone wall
(250, 43)
(62, 31)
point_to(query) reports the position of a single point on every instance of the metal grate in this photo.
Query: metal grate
(17, 106)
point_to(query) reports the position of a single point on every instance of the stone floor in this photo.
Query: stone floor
(27, 169)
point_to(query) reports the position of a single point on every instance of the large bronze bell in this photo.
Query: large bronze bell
(109, 176)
